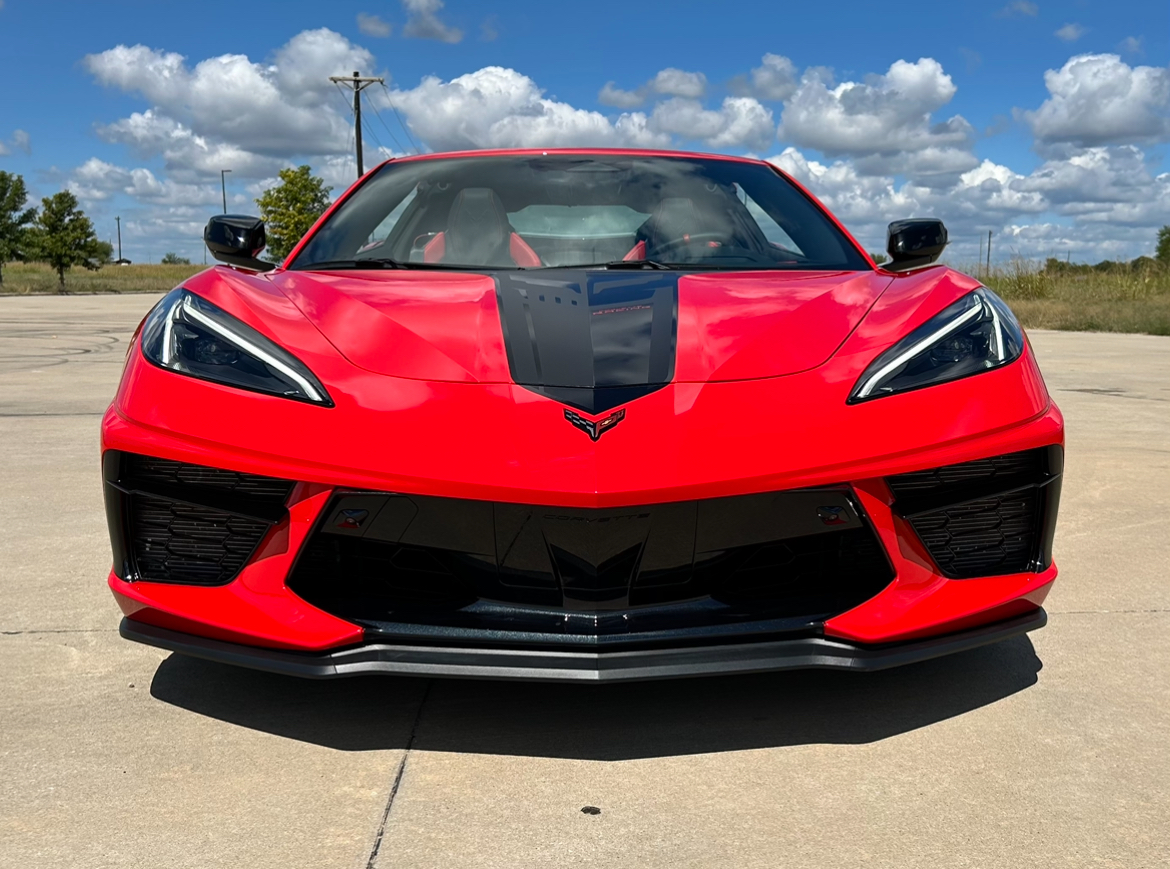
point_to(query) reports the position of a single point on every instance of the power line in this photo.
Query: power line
(369, 128)
(366, 126)
(357, 82)
(373, 135)
(401, 122)
(388, 130)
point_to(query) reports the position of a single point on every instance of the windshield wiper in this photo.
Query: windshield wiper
(371, 263)
(637, 264)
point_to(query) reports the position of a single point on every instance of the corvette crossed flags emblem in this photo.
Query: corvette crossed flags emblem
(595, 429)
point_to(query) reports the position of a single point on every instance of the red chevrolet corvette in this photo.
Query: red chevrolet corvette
(583, 415)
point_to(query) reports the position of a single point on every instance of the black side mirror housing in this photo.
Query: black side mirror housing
(914, 243)
(237, 240)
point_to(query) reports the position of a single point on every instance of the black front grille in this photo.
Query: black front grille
(987, 517)
(408, 565)
(183, 523)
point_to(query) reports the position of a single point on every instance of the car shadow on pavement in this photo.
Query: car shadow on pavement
(601, 722)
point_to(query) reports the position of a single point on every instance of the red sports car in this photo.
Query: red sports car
(585, 415)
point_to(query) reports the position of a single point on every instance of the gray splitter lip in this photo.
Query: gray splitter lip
(590, 667)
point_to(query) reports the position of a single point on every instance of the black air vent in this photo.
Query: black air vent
(148, 471)
(184, 523)
(758, 564)
(175, 542)
(987, 517)
(983, 538)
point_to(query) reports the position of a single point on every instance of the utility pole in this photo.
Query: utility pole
(223, 187)
(119, 222)
(979, 262)
(359, 83)
(989, 251)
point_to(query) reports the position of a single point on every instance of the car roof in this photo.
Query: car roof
(541, 152)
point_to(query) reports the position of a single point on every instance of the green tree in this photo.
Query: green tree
(173, 259)
(290, 208)
(13, 220)
(63, 237)
(1162, 253)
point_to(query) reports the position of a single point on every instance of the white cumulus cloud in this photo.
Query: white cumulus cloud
(1098, 99)
(279, 109)
(885, 120)
(882, 150)
(669, 82)
(611, 95)
(496, 107)
(775, 78)
(741, 122)
(679, 83)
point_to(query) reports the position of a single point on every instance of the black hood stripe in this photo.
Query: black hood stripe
(590, 339)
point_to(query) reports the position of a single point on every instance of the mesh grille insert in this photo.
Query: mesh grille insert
(1008, 470)
(175, 542)
(982, 538)
(185, 523)
(144, 470)
(981, 518)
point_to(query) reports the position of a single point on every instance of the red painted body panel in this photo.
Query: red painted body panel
(416, 365)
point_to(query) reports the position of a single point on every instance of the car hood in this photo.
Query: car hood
(574, 328)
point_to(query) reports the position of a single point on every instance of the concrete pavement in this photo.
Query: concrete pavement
(1052, 750)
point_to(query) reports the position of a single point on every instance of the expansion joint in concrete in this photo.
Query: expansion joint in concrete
(377, 847)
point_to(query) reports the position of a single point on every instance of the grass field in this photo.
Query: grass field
(1120, 300)
(1085, 300)
(25, 278)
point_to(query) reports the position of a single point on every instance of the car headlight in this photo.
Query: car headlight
(975, 334)
(188, 335)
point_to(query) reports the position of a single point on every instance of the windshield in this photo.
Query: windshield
(574, 210)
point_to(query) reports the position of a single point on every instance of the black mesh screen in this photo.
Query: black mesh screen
(987, 517)
(145, 470)
(983, 538)
(185, 523)
(176, 542)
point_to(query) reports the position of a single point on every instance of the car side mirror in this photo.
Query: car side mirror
(237, 240)
(914, 243)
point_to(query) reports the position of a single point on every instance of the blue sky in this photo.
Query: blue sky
(1045, 122)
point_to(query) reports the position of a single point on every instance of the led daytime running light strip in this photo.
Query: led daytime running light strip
(916, 348)
(168, 334)
(244, 344)
(1000, 351)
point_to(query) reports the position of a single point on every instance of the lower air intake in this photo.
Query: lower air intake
(184, 523)
(176, 542)
(988, 517)
(414, 567)
(982, 538)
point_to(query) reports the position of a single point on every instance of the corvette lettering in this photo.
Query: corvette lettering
(595, 428)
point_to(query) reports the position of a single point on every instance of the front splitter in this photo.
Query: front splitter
(596, 667)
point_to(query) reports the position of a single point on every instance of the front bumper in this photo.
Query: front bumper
(561, 666)
(260, 615)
